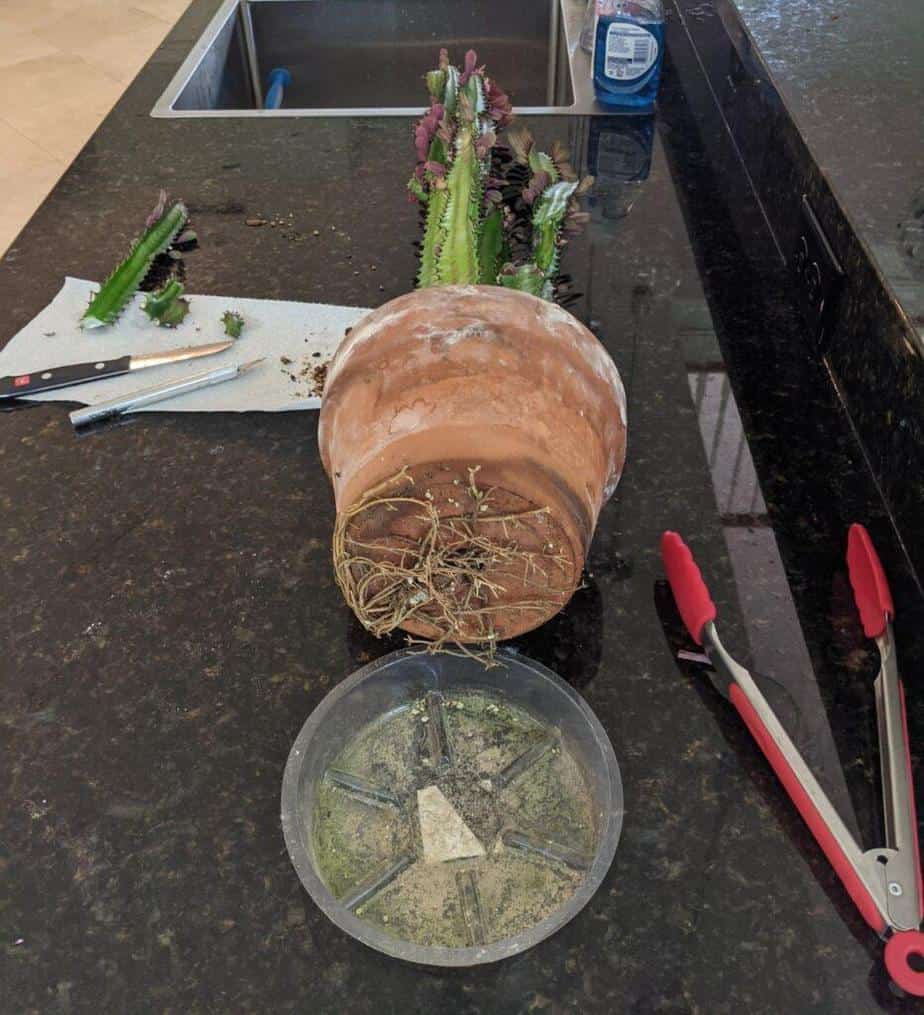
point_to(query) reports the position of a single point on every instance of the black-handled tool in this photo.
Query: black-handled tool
(78, 373)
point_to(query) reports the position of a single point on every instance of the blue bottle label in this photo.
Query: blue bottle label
(631, 51)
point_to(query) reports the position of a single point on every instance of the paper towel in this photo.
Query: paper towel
(295, 339)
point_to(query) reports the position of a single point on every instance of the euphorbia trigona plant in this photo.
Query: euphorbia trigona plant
(474, 204)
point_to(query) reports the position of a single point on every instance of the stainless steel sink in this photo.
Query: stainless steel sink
(368, 57)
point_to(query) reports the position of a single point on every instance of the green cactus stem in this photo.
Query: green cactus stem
(166, 307)
(233, 322)
(549, 213)
(477, 210)
(433, 236)
(458, 257)
(492, 247)
(527, 278)
(123, 283)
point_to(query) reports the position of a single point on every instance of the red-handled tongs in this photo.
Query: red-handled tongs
(884, 883)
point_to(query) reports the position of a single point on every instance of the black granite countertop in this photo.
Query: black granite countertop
(854, 80)
(170, 618)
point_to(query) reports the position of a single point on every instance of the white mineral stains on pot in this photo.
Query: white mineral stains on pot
(476, 330)
(620, 391)
(610, 487)
(590, 346)
(367, 328)
(428, 332)
(410, 417)
(447, 338)
(553, 314)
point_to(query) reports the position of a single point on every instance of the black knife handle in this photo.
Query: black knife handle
(62, 377)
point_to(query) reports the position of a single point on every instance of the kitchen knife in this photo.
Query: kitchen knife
(78, 373)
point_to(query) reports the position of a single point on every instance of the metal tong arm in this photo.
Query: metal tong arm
(901, 857)
(902, 869)
(861, 873)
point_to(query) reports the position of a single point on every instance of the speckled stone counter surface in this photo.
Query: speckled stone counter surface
(170, 620)
(853, 75)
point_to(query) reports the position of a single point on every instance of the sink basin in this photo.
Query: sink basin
(368, 57)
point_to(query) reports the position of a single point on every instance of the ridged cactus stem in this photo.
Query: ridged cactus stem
(123, 283)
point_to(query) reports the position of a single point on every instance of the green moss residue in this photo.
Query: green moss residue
(554, 798)
(355, 839)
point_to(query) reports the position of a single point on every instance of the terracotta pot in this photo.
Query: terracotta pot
(451, 379)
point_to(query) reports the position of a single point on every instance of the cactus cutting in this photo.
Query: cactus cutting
(166, 307)
(163, 226)
(233, 323)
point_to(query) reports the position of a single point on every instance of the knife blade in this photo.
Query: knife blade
(16, 385)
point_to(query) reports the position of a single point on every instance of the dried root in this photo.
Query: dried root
(450, 579)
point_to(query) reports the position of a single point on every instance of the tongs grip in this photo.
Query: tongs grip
(867, 578)
(686, 580)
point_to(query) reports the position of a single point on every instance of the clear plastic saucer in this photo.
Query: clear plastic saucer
(449, 814)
